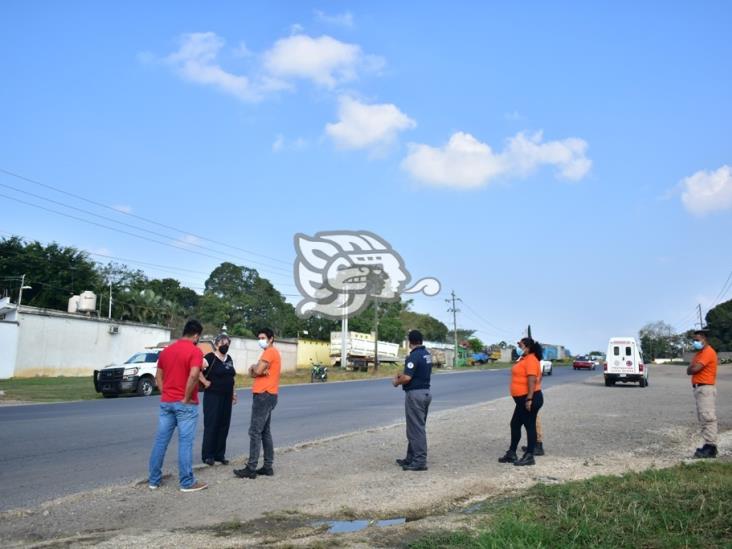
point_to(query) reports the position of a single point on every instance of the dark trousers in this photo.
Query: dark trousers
(216, 421)
(524, 418)
(259, 432)
(416, 405)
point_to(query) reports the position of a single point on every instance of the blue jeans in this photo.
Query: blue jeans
(172, 415)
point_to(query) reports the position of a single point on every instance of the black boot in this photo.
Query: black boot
(538, 449)
(526, 459)
(509, 457)
(706, 451)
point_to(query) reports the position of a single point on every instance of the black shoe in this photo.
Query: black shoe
(402, 462)
(209, 462)
(526, 459)
(509, 457)
(412, 467)
(223, 461)
(245, 473)
(538, 449)
(266, 471)
(705, 452)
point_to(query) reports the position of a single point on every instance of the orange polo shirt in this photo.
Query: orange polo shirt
(526, 366)
(271, 382)
(707, 375)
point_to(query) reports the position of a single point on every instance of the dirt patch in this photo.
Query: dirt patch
(589, 429)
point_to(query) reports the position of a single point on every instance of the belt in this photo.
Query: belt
(695, 385)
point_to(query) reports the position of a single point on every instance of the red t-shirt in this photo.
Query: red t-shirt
(176, 362)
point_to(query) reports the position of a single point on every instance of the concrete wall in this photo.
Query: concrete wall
(309, 349)
(245, 352)
(8, 348)
(56, 343)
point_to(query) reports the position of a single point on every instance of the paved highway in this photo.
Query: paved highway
(50, 450)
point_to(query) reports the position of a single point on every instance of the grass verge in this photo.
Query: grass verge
(61, 388)
(684, 506)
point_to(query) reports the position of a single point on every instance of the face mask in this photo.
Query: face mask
(698, 345)
(263, 343)
(519, 351)
(224, 349)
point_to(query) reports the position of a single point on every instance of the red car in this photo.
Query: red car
(585, 362)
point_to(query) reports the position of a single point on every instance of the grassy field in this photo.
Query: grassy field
(685, 506)
(57, 389)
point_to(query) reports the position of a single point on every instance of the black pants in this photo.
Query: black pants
(524, 418)
(260, 434)
(216, 421)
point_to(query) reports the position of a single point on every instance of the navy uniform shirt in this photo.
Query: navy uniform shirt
(418, 365)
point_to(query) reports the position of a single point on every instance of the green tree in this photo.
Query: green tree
(719, 322)
(54, 272)
(475, 345)
(658, 341)
(245, 302)
(431, 328)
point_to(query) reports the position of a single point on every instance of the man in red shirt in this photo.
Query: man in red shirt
(703, 372)
(177, 378)
(266, 374)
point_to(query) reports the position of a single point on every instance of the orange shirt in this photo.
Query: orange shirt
(708, 374)
(526, 366)
(269, 383)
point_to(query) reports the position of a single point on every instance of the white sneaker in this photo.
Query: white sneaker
(195, 487)
(153, 486)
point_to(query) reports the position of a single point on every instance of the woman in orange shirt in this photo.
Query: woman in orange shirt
(526, 393)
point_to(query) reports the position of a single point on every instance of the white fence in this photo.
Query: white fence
(55, 343)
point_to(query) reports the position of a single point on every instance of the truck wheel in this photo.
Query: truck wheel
(643, 382)
(145, 386)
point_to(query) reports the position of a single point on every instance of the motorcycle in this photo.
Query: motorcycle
(318, 373)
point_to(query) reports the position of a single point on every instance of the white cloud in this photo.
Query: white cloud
(341, 19)
(705, 192)
(323, 60)
(196, 61)
(363, 126)
(279, 142)
(124, 208)
(465, 162)
(188, 241)
(282, 144)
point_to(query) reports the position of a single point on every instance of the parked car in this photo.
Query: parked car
(135, 375)
(583, 362)
(546, 367)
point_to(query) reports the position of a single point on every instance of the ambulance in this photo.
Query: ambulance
(624, 362)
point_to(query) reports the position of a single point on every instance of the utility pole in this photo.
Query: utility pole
(20, 292)
(376, 335)
(110, 300)
(454, 310)
(701, 324)
(344, 330)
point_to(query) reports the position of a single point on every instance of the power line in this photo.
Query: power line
(141, 218)
(487, 322)
(173, 270)
(135, 227)
(168, 244)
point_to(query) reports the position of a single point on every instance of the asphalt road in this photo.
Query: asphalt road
(51, 450)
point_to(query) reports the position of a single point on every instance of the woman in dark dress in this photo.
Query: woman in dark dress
(218, 397)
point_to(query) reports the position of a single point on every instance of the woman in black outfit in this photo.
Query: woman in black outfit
(218, 397)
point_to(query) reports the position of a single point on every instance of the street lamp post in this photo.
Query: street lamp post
(22, 287)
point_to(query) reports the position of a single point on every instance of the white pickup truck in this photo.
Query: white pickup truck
(135, 375)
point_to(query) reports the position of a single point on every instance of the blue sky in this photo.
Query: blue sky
(562, 164)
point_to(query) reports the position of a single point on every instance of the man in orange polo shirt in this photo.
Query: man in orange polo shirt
(266, 374)
(703, 372)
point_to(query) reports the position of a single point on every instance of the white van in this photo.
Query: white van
(624, 362)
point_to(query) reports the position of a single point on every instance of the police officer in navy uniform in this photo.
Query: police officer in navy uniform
(415, 380)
